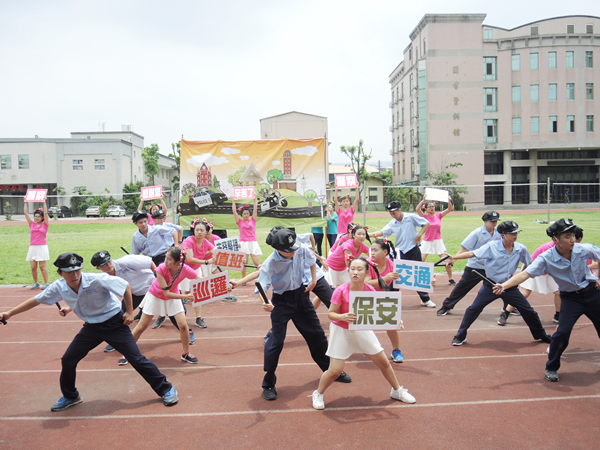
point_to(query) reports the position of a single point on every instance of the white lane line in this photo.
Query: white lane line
(304, 410)
(254, 366)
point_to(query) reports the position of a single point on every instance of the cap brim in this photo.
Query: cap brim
(292, 249)
(70, 269)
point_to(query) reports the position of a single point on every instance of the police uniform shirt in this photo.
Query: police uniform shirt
(307, 276)
(286, 274)
(155, 243)
(96, 301)
(499, 264)
(405, 231)
(136, 270)
(476, 239)
(570, 275)
(170, 240)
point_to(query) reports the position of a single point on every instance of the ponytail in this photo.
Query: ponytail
(360, 227)
(178, 254)
(388, 246)
(382, 284)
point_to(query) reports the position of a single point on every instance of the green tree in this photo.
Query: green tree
(274, 176)
(176, 155)
(234, 179)
(150, 156)
(80, 203)
(103, 209)
(310, 196)
(131, 202)
(358, 160)
(446, 179)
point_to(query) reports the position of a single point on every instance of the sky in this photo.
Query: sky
(210, 70)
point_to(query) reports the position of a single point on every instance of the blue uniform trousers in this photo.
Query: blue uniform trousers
(295, 306)
(572, 307)
(467, 282)
(414, 254)
(513, 297)
(116, 333)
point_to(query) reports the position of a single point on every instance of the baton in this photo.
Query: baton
(439, 263)
(3, 320)
(484, 278)
(125, 250)
(262, 293)
(60, 309)
(251, 266)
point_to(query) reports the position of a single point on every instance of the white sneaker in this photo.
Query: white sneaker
(318, 402)
(402, 395)
(428, 303)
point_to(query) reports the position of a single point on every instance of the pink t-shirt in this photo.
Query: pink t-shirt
(541, 249)
(337, 259)
(38, 233)
(341, 296)
(186, 272)
(213, 238)
(198, 252)
(247, 230)
(435, 227)
(344, 218)
(388, 268)
(340, 241)
(150, 220)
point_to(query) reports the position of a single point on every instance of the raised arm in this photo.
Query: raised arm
(335, 200)
(234, 209)
(255, 211)
(356, 199)
(419, 208)
(141, 205)
(27, 216)
(449, 209)
(46, 216)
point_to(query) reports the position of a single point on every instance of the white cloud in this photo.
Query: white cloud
(230, 151)
(276, 162)
(207, 158)
(309, 150)
(244, 157)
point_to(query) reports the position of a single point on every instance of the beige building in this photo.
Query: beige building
(375, 194)
(513, 106)
(293, 125)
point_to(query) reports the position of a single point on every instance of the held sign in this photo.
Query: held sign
(151, 192)
(231, 243)
(376, 310)
(346, 181)
(227, 259)
(36, 195)
(243, 193)
(210, 289)
(414, 275)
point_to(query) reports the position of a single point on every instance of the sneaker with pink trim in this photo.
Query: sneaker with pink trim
(189, 358)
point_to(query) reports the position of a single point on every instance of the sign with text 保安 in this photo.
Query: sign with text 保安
(375, 310)
(414, 275)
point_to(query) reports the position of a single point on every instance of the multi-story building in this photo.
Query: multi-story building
(513, 106)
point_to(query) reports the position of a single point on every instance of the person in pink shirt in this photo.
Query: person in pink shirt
(338, 260)
(343, 238)
(344, 342)
(432, 240)
(153, 208)
(199, 258)
(345, 212)
(247, 226)
(38, 253)
(164, 298)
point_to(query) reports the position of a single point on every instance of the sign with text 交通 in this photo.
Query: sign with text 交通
(210, 289)
(414, 275)
(151, 192)
(376, 310)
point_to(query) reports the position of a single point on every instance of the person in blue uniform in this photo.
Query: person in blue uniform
(502, 259)
(283, 270)
(152, 241)
(476, 239)
(93, 298)
(404, 228)
(567, 264)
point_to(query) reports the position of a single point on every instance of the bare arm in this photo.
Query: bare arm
(420, 235)
(46, 216)
(169, 294)
(25, 306)
(234, 209)
(355, 204)
(255, 211)
(335, 200)
(128, 316)
(449, 209)
(419, 208)
(141, 205)
(333, 314)
(247, 278)
(27, 216)
(515, 280)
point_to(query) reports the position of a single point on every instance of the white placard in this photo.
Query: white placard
(230, 260)
(151, 192)
(210, 289)
(243, 193)
(414, 275)
(376, 310)
(231, 243)
(437, 195)
(35, 195)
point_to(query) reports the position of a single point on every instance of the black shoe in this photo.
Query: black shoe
(138, 316)
(551, 375)
(515, 312)
(546, 338)
(452, 282)
(555, 318)
(456, 341)
(344, 378)
(503, 318)
(443, 311)
(269, 394)
(200, 322)
(158, 322)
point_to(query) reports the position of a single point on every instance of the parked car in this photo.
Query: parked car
(60, 211)
(116, 211)
(92, 211)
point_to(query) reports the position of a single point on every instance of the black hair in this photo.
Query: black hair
(206, 227)
(578, 232)
(360, 227)
(39, 211)
(177, 256)
(386, 246)
(427, 203)
(382, 284)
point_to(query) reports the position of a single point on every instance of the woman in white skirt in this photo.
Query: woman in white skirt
(339, 260)
(433, 244)
(343, 342)
(163, 298)
(38, 253)
(247, 226)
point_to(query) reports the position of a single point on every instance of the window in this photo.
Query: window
(424, 46)
(535, 124)
(516, 94)
(516, 124)
(516, 63)
(589, 59)
(553, 125)
(570, 91)
(402, 122)
(410, 82)
(575, 154)
(551, 60)
(552, 92)
(570, 59)
(412, 111)
(78, 164)
(534, 30)
(401, 91)
(99, 164)
(490, 99)
(23, 161)
(520, 188)
(589, 29)
(490, 131)
(589, 91)
(403, 167)
(534, 93)
(534, 61)
(6, 162)
(570, 29)
(488, 34)
(589, 125)
(519, 155)
(392, 97)
(373, 195)
(489, 68)
(571, 124)
(412, 139)
(494, 193)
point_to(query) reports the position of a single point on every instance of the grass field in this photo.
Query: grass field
(89, 238)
